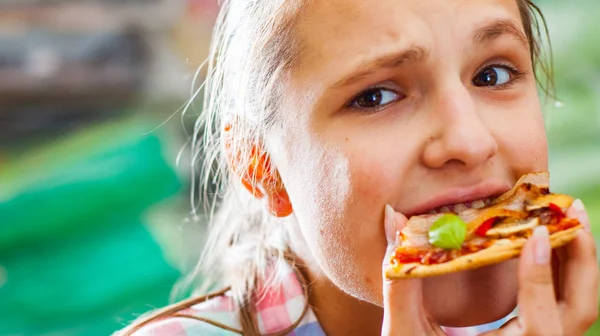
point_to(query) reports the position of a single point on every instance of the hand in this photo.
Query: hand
(557, 296)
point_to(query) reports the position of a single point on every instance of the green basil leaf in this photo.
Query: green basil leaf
(448, 232)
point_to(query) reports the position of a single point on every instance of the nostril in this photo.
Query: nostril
(455, 162)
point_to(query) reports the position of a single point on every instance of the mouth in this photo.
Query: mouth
(458, 200)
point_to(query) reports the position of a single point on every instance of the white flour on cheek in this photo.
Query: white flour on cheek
(317, 177)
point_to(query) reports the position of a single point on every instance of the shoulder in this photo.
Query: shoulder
(216, 316)
(179, 326)
(280, 305)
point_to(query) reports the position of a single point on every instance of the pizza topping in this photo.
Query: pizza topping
(513, 207)
(541, 180)
(548, 216)
(431, 256)
(466, 228)
(486, 226)
(501, 233)
(556, 209)
(511, 228)
(469, 228)
(562, 202)
(492, 213)
(562, 225)
(476, 245)
(407, 255)
(448, 232)
(416, 231)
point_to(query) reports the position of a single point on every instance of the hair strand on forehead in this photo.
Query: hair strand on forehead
(540, 47)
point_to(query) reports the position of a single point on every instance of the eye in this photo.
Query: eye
(375, 98)
(493, 76)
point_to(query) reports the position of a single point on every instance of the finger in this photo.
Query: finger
(394, 222)
(537, 304)
(581, 285)
(396, 292)
(559, 255)
(402, 299)
(403, 307)
(580, 278)
(577, 210)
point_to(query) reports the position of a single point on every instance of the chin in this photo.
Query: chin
(472, 297)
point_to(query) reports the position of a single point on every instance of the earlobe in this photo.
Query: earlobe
(279, 204)
(277, 199)
(256, 173)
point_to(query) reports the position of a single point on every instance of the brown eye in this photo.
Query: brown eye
(492, 76)
(375, 98)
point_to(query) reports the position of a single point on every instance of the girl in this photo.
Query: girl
(319, 113)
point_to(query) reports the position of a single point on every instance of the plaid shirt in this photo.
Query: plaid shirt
(279, 308)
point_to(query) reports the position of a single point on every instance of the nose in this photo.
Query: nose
(460, 135)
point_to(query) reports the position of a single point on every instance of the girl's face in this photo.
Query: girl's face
(416, 104)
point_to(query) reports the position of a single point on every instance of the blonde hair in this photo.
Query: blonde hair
(251, 52)
(252, 49)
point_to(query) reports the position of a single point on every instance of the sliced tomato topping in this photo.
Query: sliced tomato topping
(485, 226)
(556, 209)
(407, 255)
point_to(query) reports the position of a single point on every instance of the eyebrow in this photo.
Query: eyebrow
(412, 55)
(497, 29)
(418, 54)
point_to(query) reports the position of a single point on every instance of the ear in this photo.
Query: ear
(252, 166)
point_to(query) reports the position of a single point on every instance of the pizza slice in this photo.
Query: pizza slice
(436, 244)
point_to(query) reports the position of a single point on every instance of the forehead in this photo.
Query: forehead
(346, 31)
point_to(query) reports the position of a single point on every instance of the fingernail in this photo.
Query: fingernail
(542, 245)
(578, 205)
(582, 216)
(390, 225)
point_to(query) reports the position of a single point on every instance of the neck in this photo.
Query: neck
(339, 313)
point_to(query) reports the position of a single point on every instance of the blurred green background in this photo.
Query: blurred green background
(93, 208)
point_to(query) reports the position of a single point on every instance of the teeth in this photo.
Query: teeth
(458, 208)
(445, 209)
(478, 204)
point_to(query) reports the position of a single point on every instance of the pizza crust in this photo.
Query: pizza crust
(502, 250)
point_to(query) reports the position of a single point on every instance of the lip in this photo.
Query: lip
(460, 195)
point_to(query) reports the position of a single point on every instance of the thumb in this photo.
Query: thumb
(537, 301)
(402, 299)
(394, 222)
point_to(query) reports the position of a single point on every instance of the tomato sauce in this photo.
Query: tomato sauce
(407, 255)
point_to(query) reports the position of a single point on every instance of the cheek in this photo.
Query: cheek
(338, 190)
(320, 189)
(348, 243)
(521, 136)
(318, 182)
(369, 177)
